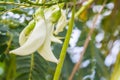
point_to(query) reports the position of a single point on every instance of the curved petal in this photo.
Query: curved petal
(50, 29)
(35, 40)
(55, 39)
(46, 52)
(26, 32)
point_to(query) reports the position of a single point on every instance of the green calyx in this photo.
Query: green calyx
(55, 16)
(30, 27)
(39, 13)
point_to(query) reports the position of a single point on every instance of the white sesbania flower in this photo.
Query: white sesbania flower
(38, 35)
(45, 51)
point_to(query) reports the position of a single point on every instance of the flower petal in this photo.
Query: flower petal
(51, 29)
(26, 32)
(35, 40)
(46, 52)
(55, 39)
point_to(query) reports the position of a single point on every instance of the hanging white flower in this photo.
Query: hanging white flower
(38, 35)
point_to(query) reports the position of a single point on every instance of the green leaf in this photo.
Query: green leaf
(2, 8)
(32, 67)
(3, 48)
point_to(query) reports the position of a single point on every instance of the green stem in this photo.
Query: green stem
(11, 68)
(31, 66)
(13, 3)
(29, 3)
(65, 45)
(83, 8)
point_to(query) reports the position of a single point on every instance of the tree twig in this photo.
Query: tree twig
(29, 3)
(13, 3)
(77, 65)
(32, 4)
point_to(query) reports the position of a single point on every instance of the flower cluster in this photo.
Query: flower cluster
(38, 34)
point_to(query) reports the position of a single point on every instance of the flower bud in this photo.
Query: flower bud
(53, 13)
(61, 23)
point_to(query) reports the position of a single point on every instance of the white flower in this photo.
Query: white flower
(38, 35)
